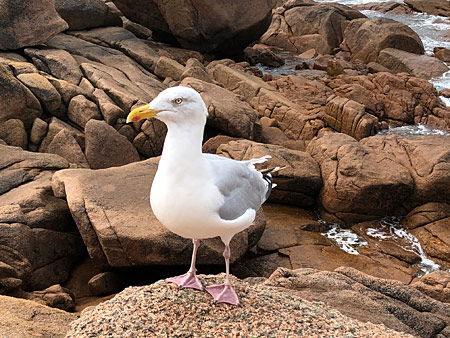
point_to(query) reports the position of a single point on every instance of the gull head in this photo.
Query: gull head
(175, 105)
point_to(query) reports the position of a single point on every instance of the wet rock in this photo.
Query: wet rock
(66, 146)
(425, 214)
(210, 27)
(138, 239)
(433, 7)
(442, 54)
(429, 223)
(54, 296)
(226, 112)
(14, 134)
(105, 147)
(81, 110)
(86, 14)
(366, 38)
(44, 91)
(300, 26)
(288, 226)
(350, 117)
(436, 285)
(56, 62)
(25, 318)
(16, 100)
(298, 184)
(380, 175)
(422, 66)
(19, 31)
(263, 55)
(368, 298)
(105, 283)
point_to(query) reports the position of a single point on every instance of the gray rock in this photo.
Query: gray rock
(17, 30)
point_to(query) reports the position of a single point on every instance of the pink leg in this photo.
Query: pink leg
(189, 279)
(224, 293)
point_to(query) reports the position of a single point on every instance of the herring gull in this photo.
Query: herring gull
(198, 195)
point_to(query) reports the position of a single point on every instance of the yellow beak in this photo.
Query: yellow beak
(141, 113)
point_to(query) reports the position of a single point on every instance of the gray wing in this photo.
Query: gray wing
(241, 186)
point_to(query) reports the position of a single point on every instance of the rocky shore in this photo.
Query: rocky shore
(75, 220)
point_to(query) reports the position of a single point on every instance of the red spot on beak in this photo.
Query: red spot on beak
(136, 119)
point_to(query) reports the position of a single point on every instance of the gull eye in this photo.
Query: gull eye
(178, 100)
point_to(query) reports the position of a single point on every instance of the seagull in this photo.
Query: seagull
(197, 195)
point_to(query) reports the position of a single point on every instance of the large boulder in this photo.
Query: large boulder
(86, 14)
(224, 27)
(299, 26)
(369, 299)
(366, 38)
(294, 238)
(281, 313)
(28, 24)
(423, 66)
(433, 7)
(380, 175)
(113, 213)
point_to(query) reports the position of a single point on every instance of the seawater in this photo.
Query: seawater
(388, 229)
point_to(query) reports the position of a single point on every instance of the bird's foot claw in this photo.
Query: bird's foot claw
(223, 293)
(188, 280)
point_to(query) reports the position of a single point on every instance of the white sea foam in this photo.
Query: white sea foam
(391, 230)
(346, 239)
(413, 130)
